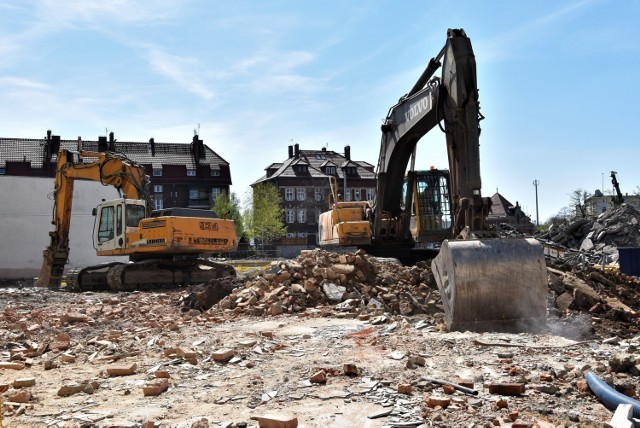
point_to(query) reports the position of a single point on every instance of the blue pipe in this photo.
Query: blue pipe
(609, 396)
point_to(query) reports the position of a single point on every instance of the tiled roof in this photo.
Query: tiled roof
(317, 159)
(500, 206)
(32, 150)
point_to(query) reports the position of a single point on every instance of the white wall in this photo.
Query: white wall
(26, 209)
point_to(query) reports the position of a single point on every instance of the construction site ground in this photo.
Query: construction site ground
(86, 359)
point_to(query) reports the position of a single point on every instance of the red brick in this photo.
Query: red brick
(276, 421)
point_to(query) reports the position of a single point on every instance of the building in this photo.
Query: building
(185, 175)
(182, 175)
(303, 182)
(503, 211)
(599, 203)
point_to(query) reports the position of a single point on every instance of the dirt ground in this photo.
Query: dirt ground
(72, 340)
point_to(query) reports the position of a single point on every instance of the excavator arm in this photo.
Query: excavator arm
(451, 100)
(110, 169)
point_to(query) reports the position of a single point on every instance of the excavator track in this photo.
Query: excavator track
(147, 275)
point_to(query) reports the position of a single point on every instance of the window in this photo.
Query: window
(301, 169)
(288, 194)
(356, 195)
(302, 234)
(350, 170)
(347, 196)
(3, 171)
(318, 194)
(157, 172)
(119, 220)
(215, 172)
(291, 216)
(157, 188)
(370, 194)
(302, 193)
(158, 204)
(215, 192)
(291, 234)
(193, 193)
(134, 213)
(302, 216)
(105, 231)
(191, 173)
(330, 170)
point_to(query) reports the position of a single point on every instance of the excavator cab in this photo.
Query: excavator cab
(431, 215)
(114, 219)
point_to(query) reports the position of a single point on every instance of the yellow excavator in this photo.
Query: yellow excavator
(485, 283)
(164, 249)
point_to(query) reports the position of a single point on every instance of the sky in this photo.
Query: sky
(558, 81)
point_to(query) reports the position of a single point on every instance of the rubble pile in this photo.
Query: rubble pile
(356, 283)
(595, 238)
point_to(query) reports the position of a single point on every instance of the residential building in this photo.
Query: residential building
(503, 211)
(599, 203)
(303, 181)
(182, 175)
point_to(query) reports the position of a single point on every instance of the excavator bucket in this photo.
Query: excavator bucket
(492, 284)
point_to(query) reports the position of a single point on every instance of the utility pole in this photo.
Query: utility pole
(535, 183)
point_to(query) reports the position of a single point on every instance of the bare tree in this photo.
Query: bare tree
(578, 200)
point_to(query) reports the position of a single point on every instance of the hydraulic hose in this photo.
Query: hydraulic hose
(609, 396)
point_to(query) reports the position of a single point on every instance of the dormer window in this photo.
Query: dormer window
(215, 173)
(191, 173)
(351, 170)
(330, 170)
(301, 169)
(157, 172)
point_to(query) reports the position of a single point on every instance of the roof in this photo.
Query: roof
(500, 206)
(32, 150)
(317, 160)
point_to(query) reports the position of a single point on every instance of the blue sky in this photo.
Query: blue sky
(557, 79)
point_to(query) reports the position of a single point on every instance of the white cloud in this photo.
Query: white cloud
(182, 70)
(58, 12)
(10, 82)
(505, 44)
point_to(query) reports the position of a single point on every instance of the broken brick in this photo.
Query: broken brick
(350, 369)
(12, 366)
(507, 388)
(443, 402)
(24, 382)
(276, 421)
(122, 370)
(222, 354)
(155, 388)
(404, 388)
(21, 396)
(319, 377)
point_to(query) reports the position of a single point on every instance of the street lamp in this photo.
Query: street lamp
(535, 183)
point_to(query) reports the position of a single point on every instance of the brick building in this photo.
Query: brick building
(182, 175)
(303, 182)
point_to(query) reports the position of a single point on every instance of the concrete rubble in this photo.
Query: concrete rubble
(325, 339)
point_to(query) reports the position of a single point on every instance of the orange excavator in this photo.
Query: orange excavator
(485, 283)
(164, 250)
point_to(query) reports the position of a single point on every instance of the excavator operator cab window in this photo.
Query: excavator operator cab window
(134, 214)
(105, 231)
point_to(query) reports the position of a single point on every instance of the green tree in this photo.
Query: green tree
(227, 206)
(263, 215)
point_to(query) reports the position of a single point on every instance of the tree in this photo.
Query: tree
(578, 200)
(263, 215)
(229, 207)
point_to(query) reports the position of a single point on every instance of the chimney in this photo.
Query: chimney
(347, 152)
(296, 149)
(324, 149)
(102, 144)
(79, 143)
(152, 143)
(55, 144)
(290, 152)
(112, 142)
(197, 146)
